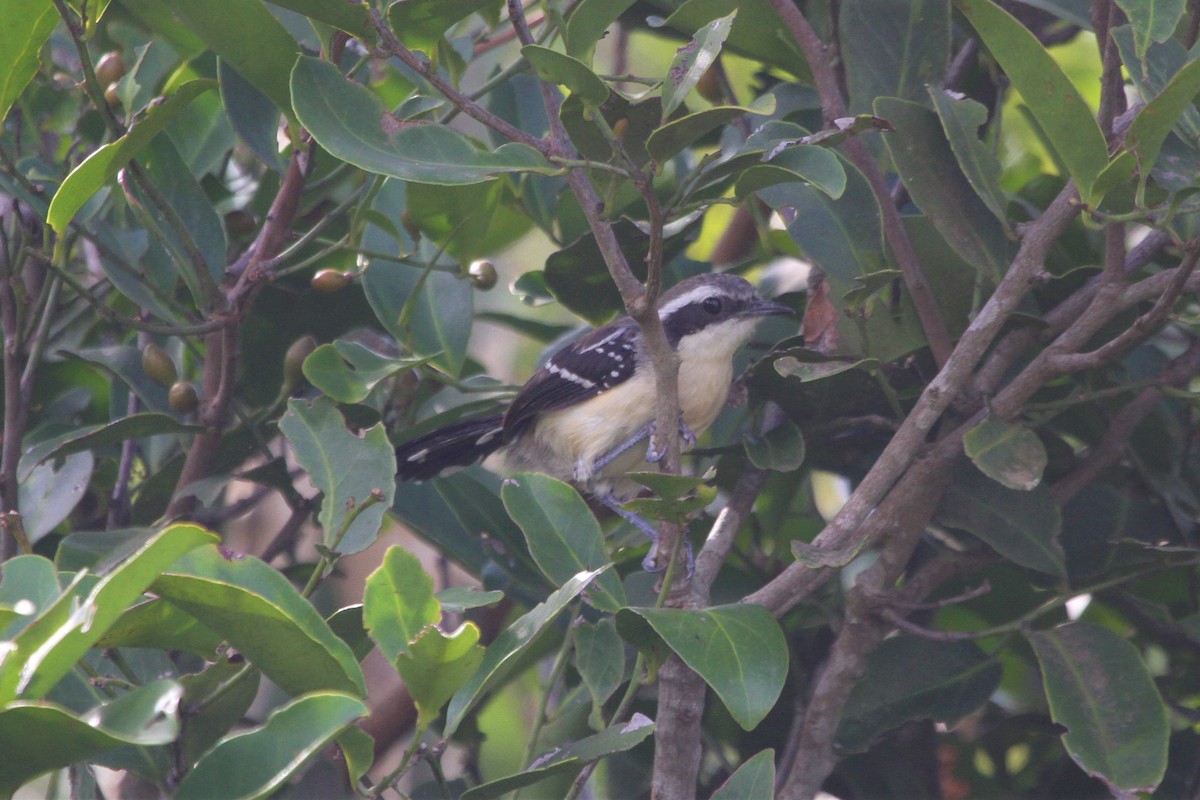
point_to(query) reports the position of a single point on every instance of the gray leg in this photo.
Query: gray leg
(645, 526)
(685, 433)
(603, 461)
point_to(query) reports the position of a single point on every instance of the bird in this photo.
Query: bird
(587, 415)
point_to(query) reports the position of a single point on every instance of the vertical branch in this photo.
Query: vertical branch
(817, 53)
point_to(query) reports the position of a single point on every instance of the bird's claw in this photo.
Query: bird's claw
(686, 435)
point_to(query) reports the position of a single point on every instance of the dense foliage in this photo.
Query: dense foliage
(244, 248)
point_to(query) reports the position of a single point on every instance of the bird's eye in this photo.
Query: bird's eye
(712, 305)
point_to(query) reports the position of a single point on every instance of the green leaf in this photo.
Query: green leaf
(91, 437)
(587, 23)
(49, 494)
(503, 655)
(217, 698)
(352, 124)
(472, 221)
(255, 763)
(757, 31)
(347, 371)
(45, 652)
(671, 137)
(555, 67)
(600, 661)
(398, 602)
(28, 586)
(347, 469)
(38, 737)
(421, 23)
(103, 165)
(250, 39)
(753, 780)
(358, 751)
(437, 665)
(563, 535)
(160, 625)
(458, 599)
(260, 612)
(909, 678)
(569, 758)
(814, 165)
(1163, 62)
(1099, 689)
(929, 169)
(1021, 526)
(1007, 452)
(693, 60)
(780, 449)
(251, 115)
(1150, 128)
(352, 17)
(27, 26)
(1152, 20)
(893, 48)
(439, 324)
(1054, 101)
(739, 650)
(961, 119)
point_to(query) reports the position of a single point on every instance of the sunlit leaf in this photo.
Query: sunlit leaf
(1006, 452)
(693, 60)
(398, 602)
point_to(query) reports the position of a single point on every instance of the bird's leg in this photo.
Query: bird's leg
(649, 563)
(584, 471)
(654, 455)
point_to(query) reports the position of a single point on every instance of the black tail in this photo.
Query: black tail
(447, 449)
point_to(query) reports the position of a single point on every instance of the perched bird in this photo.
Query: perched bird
(587, 415)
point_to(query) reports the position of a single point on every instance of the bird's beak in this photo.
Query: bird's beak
(765, 308)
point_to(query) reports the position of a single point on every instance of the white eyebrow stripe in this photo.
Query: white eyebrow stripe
(604, 341)
(687, 298)
(567, 375)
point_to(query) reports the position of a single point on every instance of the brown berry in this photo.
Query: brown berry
(182, 397)
(483, 275)
(240, 224)
(158, 365)
(409, 226)
(331, 280)
(110, 68)
(112, 96)
(709, 87)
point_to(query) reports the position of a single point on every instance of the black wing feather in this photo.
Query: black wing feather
(594, 363)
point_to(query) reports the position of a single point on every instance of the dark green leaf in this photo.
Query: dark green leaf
(578, 279)
(49, 494)
(929, 168)
(739, 650)
(347, 371)
(250, 39)
(157, 623)
(265, 618)
(44, 653)
(348, 470)
(28, 586)
(600, 661)
(1100, 691)
(1021, 526)
(781, 449)
(677, 134)
(814, 165)
(961, 119)
(253, 117)
(255, 763)
(1163, 62)
(893, 48)
(216, 698)
(28, 24)
(503, 655)
(472, 221)
(436, 665)
(563, 535)
(757, 30)
(90, 437)
(570, 758)
(351, 17)
(458, 599)
(910, 678)
(38, 737)
(1055, 102)
(587, 23)
(577, 77)
(693, 60)
(1007, 452)
(1152, 20)
(753, 780)
(103, 165)
(352, 124)
(421, 23)
(398, 602)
